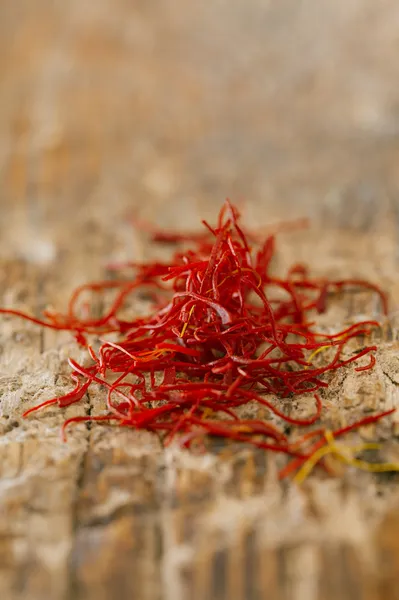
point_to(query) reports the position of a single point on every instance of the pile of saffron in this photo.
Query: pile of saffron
(224, 334)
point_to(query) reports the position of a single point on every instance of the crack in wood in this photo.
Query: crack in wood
(73, 588)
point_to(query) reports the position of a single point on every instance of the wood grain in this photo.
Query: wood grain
(111, 109)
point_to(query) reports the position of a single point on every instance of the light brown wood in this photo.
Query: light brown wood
(113, 108)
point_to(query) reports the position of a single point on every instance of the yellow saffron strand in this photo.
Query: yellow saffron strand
(207, 412)
(372, 467)
(361, 464)
(183, 331)
(312, 461)
(340, 452)
(243, 428)
(316, 352)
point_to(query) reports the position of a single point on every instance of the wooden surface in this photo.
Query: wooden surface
(109, 108)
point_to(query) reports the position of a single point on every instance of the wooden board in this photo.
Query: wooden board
(161, 109)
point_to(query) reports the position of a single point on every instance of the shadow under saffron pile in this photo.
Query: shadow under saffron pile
(223, 333)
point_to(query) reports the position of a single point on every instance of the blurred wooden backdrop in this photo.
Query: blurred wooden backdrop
(109, 107)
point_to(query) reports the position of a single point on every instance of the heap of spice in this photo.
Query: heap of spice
(223, 333)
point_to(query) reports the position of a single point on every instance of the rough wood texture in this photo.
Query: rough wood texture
(109, 107)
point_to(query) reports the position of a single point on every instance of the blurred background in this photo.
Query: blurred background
(166, 107)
